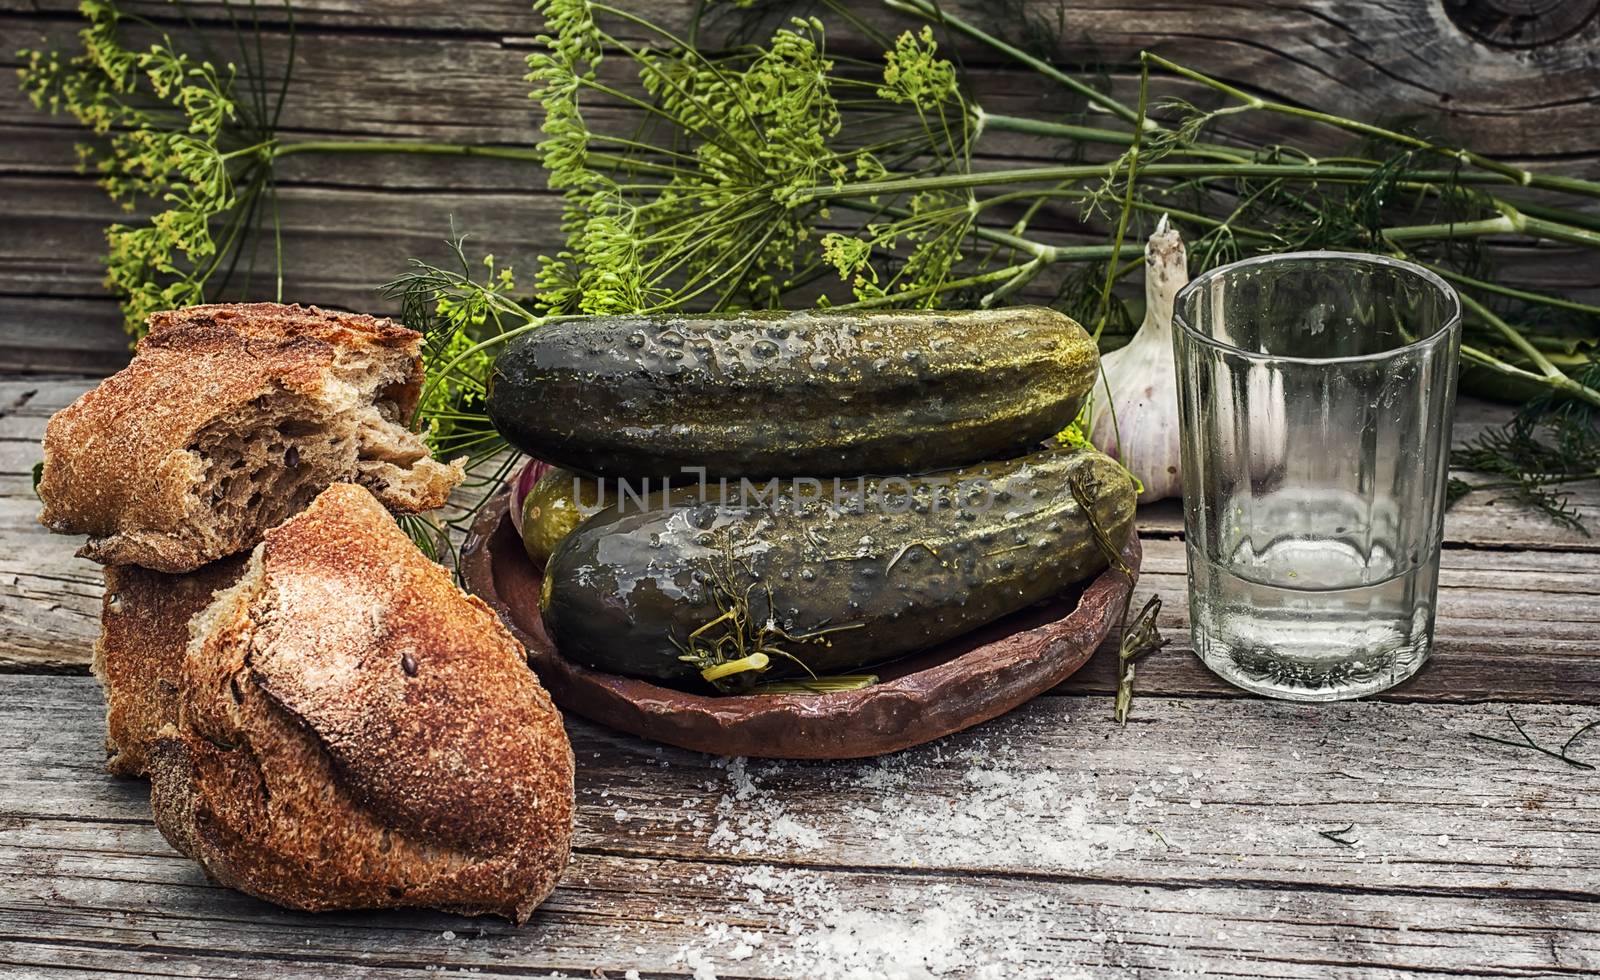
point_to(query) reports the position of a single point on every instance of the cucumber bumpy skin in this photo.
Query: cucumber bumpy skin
(791, 394)
(920, 563)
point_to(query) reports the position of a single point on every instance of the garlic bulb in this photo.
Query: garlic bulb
(1139, 426)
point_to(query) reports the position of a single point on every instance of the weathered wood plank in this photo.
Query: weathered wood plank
(1378, 61)
(62, 335)
(342, 242)
(1192, 790)
(378, 232)
(678, 919)
(103, 911)
(1052, 835)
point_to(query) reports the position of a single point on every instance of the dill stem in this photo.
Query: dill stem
(1487, 360)
(1569, 387)
(1516, 175)
(1536, 481)
(404, 146)
(1139, 204)
(1093, 134)
(1560, 302)
(1582, 219)
(930, 11)
(1049, 253)
(1559, 382)
(1510, 222)
(1126, 212)
(438, 376)
(1038, 127)
(1515, 338)
(980, 279)
(1031, 175)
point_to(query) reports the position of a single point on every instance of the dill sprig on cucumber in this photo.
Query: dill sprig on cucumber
(698, 585)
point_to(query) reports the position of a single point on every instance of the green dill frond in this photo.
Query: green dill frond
(1551, 444)
(174, 131)
(703, 205)
(465, 313)
(915, 75)
(735, 647)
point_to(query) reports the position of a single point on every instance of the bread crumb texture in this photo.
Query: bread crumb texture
(231, 418)
(356, 732)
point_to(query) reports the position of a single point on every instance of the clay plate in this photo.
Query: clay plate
(919, 698)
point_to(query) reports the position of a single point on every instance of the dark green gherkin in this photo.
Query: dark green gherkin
(920, 560)
(790, 394)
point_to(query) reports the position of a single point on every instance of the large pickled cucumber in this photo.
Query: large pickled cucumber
(791, 394)
(692, 580)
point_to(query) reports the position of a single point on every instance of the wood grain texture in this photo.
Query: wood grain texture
(426, 70)
(1186, 842)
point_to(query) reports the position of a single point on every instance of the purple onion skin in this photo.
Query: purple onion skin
(522, 483)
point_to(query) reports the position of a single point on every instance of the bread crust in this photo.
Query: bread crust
(144, 631)
(120, 463)
(356, 732)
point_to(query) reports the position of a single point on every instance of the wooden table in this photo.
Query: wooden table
(1216, 833)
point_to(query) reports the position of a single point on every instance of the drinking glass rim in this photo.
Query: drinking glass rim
(1448, 325)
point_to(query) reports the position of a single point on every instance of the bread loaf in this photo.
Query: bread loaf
(356, 732)
(144, 630)
(229, 419)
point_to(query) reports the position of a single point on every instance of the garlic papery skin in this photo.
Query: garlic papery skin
(1134, 415)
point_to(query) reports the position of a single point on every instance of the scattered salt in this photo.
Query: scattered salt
(993, 806)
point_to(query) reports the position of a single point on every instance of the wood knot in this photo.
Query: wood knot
(1522, 24)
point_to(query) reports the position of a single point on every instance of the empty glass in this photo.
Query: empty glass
(1315, 391)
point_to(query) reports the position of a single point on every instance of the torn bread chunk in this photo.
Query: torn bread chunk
(355, 732)
(144, 631)
(231, 418)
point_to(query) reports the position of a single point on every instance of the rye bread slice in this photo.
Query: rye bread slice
(356, 732)
(231, 418)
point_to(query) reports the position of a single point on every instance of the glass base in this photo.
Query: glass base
(1268, 673)
(1311, 644)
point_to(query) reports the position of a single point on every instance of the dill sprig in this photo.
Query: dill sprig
(732, 649)
(176, 128)
(1339, 835)
(1525, 741)
(926, 229)
(465, 311)
(1138, 640)
(187, 130)
(1143, 637)
(699, 206)
(1548, 446)
(777, 171)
